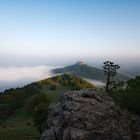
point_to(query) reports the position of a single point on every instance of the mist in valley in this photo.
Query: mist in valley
(19, 76)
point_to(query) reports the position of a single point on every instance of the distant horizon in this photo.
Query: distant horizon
(64, 62)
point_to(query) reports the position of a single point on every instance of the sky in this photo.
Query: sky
(56, 32)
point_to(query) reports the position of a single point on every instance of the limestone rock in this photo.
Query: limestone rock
(88, 115)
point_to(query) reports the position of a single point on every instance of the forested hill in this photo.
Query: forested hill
(14, 98)
(86, 71)
(16, 121)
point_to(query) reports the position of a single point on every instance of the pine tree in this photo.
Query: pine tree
(110, 71)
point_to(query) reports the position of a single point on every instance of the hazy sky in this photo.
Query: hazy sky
(36, 32)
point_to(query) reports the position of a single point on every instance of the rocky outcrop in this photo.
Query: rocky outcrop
(88, 115)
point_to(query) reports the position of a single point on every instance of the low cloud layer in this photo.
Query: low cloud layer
(12, 77)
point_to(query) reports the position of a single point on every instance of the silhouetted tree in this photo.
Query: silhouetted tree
(110, 71)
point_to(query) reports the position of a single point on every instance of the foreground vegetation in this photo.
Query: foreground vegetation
(22, 110)
(127, 94)
(129, 97)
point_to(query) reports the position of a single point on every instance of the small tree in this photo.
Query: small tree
(38, 108)
(40, 116)
(37, 99)
(110, 71)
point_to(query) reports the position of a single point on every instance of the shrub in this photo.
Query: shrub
(38, 109)
(37, 99)
(40, 116)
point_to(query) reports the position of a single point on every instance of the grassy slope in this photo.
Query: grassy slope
(19, 126)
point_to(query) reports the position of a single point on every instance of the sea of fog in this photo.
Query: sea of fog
(13, 77)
